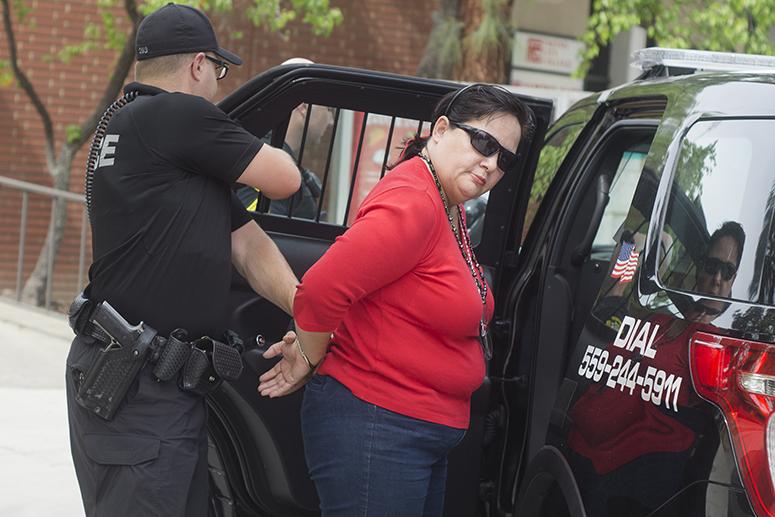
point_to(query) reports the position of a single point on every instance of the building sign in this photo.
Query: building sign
(540, 53)
(545, 61)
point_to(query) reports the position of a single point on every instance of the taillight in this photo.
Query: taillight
(739, 377)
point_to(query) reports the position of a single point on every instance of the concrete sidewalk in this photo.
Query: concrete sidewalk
(37, 476)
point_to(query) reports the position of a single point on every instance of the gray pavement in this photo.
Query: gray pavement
(37, 477)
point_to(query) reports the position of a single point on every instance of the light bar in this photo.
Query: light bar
(648, 58)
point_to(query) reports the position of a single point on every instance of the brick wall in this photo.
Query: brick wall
(386, 35)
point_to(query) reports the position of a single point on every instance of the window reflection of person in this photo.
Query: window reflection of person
(617, 439)
(717, 270)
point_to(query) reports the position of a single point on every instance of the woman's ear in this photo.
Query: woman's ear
(439, 128)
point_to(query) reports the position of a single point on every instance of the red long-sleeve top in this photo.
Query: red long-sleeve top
(401, 303)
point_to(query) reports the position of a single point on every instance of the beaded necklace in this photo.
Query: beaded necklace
(466, 250)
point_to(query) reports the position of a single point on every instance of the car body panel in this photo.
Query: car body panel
(630, 455)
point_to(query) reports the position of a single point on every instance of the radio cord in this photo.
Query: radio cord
(96, 144)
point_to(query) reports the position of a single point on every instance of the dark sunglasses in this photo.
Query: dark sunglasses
(712, 265)
(486, 145)
(221, 67)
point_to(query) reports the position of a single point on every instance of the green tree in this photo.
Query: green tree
(470, 41)
(762, 287)
(117, 32)
(726, 25)
(552, 155)
(695, 162)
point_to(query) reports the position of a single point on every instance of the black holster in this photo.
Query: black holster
(104, 386)
(201, 365)
(108, 379)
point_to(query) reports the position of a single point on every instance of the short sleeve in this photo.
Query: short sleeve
(206, 141)
(239, 216)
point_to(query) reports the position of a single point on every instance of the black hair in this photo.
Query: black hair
(733, 230)
(472, 102)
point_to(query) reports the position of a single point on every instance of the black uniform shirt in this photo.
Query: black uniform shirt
(163, 211)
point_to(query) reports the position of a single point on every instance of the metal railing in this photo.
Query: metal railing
(57, 196)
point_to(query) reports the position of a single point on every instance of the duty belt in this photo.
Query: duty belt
(200, 364)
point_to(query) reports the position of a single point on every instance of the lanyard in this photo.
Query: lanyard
(464, 244)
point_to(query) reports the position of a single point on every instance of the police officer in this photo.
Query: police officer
(166, 230)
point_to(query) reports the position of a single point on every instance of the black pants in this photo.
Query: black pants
(151, 459)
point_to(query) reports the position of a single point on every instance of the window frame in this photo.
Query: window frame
(581, 173)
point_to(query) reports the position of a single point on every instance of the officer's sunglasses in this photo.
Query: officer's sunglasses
(487, 145)
(221, 67)
(712, 265)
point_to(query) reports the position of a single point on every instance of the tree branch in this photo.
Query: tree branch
(116, 81)
(751, 29)
(442, 51)
(26, 85)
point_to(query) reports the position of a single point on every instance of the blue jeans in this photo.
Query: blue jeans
(367, 461)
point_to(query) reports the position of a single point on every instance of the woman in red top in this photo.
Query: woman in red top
(399, 306)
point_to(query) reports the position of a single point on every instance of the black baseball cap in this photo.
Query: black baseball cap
(178, 29)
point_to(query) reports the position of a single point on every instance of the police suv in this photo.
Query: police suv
(632, 258)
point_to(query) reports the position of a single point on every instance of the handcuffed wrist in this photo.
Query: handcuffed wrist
(310, 364)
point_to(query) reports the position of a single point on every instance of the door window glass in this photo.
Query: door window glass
(361, 150)
(621, 192)
(553, 153)
(619, 166)
(342, 154)
(718, 226)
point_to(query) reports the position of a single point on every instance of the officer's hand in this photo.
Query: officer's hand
(290, 374)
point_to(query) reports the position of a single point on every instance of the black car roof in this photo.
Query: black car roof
(685, 92)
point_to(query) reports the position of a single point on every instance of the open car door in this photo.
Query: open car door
(256, 459)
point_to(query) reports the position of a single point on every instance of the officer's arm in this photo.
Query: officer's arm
(273, 172)
(260, 262)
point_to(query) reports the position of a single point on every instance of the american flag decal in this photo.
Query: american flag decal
(626, 263)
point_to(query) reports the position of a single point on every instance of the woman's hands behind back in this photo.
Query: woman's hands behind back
(288, 375)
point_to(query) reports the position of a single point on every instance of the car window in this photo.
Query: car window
(342, 155)
(718, 232)
(617, 168)
(363, 148)
(621, 192)
(553, 153)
